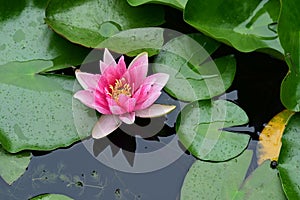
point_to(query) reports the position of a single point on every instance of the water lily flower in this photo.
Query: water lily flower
(120, 94)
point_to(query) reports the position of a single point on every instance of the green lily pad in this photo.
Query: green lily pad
(200, 125)
(289, 35)
(246, 26)
(89, 23)
(290, 91)
(51, 197)
(25, 36)
(193, 75)
(37, 111)
(134, 41)
(179, 4)
(289, 159)
(226, 181)
(12, 166)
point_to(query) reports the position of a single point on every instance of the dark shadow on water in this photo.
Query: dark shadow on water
(117, 141)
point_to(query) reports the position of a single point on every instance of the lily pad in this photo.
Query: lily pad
(289, 159)
(246, 26)
(200, 125)
(91, 22)
(37, 111)
(24, 36)
(134, 41)
(179, 4)
(193, 75)
(51, 197)
(289, 35)
(226, 181)
(12, 166)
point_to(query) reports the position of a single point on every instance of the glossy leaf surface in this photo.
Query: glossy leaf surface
(37, 111)
(89, 23)
(289, 159)
(12, 166)
(246, 26)
(226, 181)
(193, 74)
(200, 125)
(179, 4)
(51, 197)
(25, 36)
(289, 35)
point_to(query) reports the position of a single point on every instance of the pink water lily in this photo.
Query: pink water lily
(121, 93)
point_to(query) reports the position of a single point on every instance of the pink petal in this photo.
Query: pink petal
(121, 67)
(111, 74)
(149, 101)
(137, 70)
(105, 125)
(140, 60)
(142, 93)
(115, 108)
(128, 118)
(103, 66)
(158, 79)
(87, 80)
(103, 110)
(156, 110)
(86, 97)
(152, 84)
(108, 58)
(101, 105)
(127, 103)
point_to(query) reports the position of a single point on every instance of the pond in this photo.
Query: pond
(74, 171)
(193, 95)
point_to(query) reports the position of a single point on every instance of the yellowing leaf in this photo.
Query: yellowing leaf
(269, 144)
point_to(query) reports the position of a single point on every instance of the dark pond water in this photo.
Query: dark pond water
(75, 172)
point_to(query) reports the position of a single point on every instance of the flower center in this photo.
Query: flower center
(120, 87)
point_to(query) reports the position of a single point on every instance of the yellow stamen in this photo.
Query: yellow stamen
(120, 87)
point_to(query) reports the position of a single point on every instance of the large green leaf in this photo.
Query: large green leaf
(289, 159)
(134, 41)
(91, 22)
(247, 26)
(12, 166)
(37, 111)
(226, 181)
(193, 75)
(200, 125)
(289, 35)
(290, 91)
(25, 36)
(179, 4)
(51, 197)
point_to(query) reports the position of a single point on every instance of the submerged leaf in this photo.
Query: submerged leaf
(200, 125)
(12, 166)
(269, 144)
